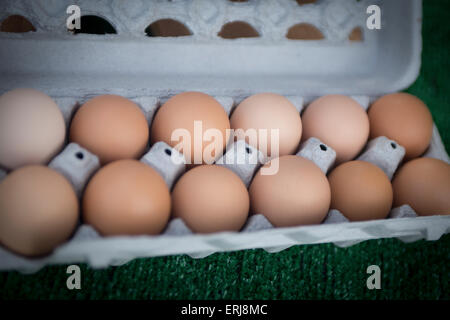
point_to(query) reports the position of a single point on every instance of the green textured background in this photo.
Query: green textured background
(409, 271)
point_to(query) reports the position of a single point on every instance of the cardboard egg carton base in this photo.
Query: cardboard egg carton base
(87, 246)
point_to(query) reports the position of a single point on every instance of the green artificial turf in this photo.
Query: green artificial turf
(409, 271)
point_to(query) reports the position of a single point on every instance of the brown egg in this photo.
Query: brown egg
(360, 191)
(403, 118)
(127, 197)
(181, 112)
(211, 198)
(112, 127)
(269, 111)
(38, 210)
(338, 121)
(32, 128)
(423, 184)
(297, 194)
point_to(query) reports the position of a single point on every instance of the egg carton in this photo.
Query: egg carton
(86, 245)
(149, 70)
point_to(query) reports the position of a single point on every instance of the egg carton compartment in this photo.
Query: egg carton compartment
(77, 165)
(243, 159)
(385, 154)
(334, 216)
(88, 246)
(319, 153)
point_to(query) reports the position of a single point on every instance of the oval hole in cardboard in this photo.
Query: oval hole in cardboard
(302, 2)
(167, 28)
(237, 29)
(304, 31)
(356, 34)
(79, 155)
(16, 24)
(95, 25)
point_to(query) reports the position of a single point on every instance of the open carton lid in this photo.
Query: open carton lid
(60, 63)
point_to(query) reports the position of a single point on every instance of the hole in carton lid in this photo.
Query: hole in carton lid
(167, 28)
(302, 2)
(95, 25)
(248, 150)
(356, 34)
(304, 31)
(16, 24)
(237, 29)
(79, 155)
(323, 147)
(393, 145)
(168, 152)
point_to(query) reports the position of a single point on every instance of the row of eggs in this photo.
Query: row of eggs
(39, 209)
